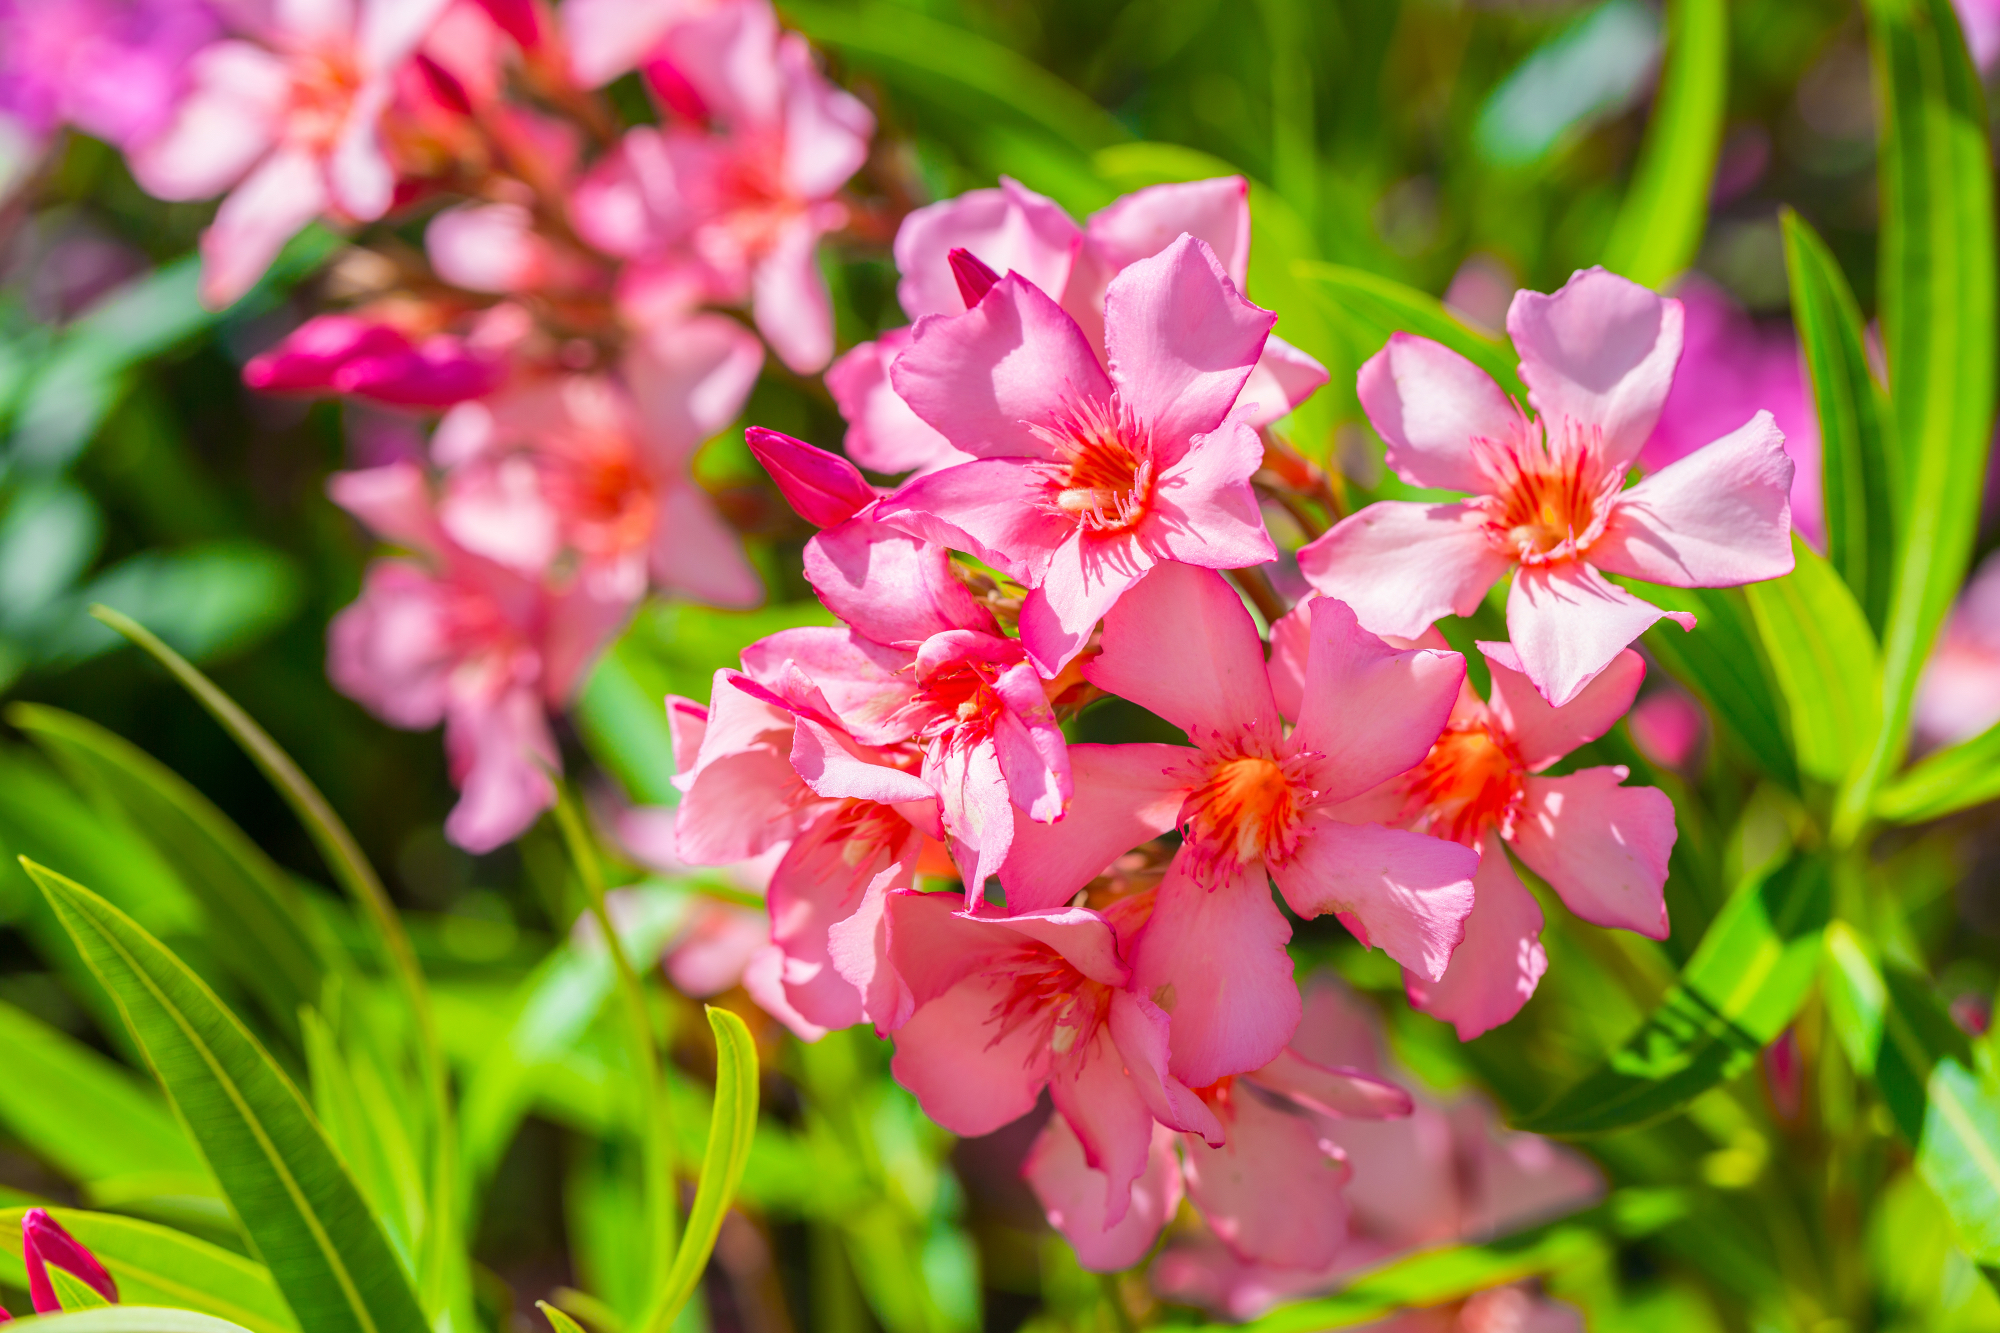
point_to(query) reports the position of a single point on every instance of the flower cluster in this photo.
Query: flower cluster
(566, 318)
(1084, 430)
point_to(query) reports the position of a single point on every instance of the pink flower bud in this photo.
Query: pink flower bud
(825, 488)
(975, 277)
(516, 18)
(44, 1242)
(307, 360)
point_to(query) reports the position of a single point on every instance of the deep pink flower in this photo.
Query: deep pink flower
(377, 360)
(1013, 229)
(1271, 1192)
(1959, 695)
(596, 467)
(1085, 480)
(1006, 1005)
(459, 639)
(1549, 499)
(45, 1243)
(291, 121)
(1602, 847)
(1252, 800)
(736, 212)
(112, 68)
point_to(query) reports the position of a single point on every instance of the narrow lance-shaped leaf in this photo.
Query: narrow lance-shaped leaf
(125, 1319)
(1820, 649)
(1374, 307)
(295, 1201)
(730, 1130)
(1859, 472)
(1659, 226)
(1722, 661)
(157, 1265)
(1743, 985)
(1955, 778)
(72, 1292)
(1937, 281)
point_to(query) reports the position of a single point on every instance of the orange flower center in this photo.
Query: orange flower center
(1102, 475)
(1247, 809)
(1549, 499)
(1469, 782)
(323, 87)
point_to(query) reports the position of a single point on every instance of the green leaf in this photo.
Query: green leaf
(373, 1146)
(1373, 307)
(125, 1319)
(1858, 469)
(72, 1292)
(257, 916)
(156, 1265)
(558, 1321)
(296, 1202)
(1959, 776)
(1722, 661)
(1937, 283)
(730, 1131)
(1736, 994)
(1659, 226)
(1823, 656)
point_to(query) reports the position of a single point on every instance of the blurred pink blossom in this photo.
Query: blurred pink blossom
(1668, 726)
(1959, 694)
(112, 68)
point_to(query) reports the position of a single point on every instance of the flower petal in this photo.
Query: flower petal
(1272, 1194)
(1284, 378)
(1429, 404)
(1543, 734)
(500, 752)
(991, 507)
(1496, 967)
(1601, 353)
(1345, 1093)
(1720, 517)
(1400, 892)
(1110, 1120)
(1204, 512)
(1086, 576)
(1602, 847)
(788, 297)
(883, 434)
(695, 552)
(1181, 644)
(970, 1075)
(1568, 622)
(1073, 1196)
(1142, 1031)
(284, 193)
(1011, 229)
(1402, 565)
(1124, 795)
(1147, 221)
(888, 585)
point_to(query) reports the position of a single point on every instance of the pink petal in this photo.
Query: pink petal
(935, 946)
(391, 649)
(388, 31)
(1029, 741)
(1284, 378)
(763, 981)
(967, 1075)
(1338, 1091)
(990, 507)
(46, 1243)
(1403, 565)
(236, 99)
(1602, 847)
(1141, 1029)
(1543, 734)
(1182, 645)
(827, 129)
(1204, 512)
(1369, 710)
(814, 887)
(862, 951)
(1497, 966)
(1402, 893)
(977, 807)
(394, 501)
(1073, 1196)
(1214, 958)
(883, 434)
(501, 754)
(1715, 519)
(1429, 404)
(982, 378)
(498, 508)
(1568, 622)
(1147, 221)
(605, 38)
(359, 177)
(1124, 795)
(825, 489)
(688, 380)
(486, 248)
(788, 296)
(888, 585)
(1110, 1121)
(283, 194)
(1272, 1194)
(1291, 640)
(696, 553)
(306, 359)
(1012, 229)
(1180, 342)
(1601, 353)
(1085, 577)
(834, 767)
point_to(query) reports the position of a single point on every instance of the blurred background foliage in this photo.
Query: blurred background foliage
(1462, 148)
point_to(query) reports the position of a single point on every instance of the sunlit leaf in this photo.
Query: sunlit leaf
(1722, 661)
(1954, 778)
(1823, 656)
(1660, 224)
(1373, 307)
(126, 1319)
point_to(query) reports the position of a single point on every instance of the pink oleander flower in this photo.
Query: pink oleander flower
(1980, 22)
(112, 68)
(1084, 480)
(1730, 367)
(770, 764)
(1602, 847)
(735, 211)
(1252, 800)
(45, 1243)
(970, 695)
(456, 638)
(593, 468)
(1005, 1005)
(1271, 1192)
(379, 359)
(1442, 1173)
(607, 38)
(1549, 500)
(1959, 694)
(1014, 230)
(288, 123)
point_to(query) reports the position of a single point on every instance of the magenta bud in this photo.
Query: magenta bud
(975, 279)
(444, 85)
(675, 91)
(44, 1242)
(439, 372)
(305, 362)
(516, 18)
(825, 488)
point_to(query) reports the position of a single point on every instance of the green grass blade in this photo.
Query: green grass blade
(1659, 226)
(1823, 656)
(730, 1131)
(1859, 472)
(1373, 307)
(558, 1321)
(157, 1265)
(297, 1205)
(1954, 778)
(1937, 284)
(257, 916)
(1743, 985)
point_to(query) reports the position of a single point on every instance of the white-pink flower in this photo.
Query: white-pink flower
(1549, 500)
